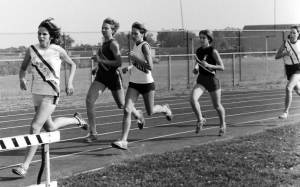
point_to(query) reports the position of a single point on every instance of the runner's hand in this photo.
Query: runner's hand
(95, 58)
(70, 90)
(94, 71)
(195, 71)
(23, 84)
(124, 70)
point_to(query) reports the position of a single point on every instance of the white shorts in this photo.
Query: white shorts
(49, 99)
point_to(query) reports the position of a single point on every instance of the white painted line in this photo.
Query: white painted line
(234, 96)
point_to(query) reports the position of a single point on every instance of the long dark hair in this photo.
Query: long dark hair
(53, 30)
(141, 28)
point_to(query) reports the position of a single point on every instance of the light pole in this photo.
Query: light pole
(181, 13)
(274, 15)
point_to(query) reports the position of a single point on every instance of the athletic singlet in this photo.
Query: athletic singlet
(207, 55)
(52, 56)
(136, 75)
(109, 55)
(294, 49)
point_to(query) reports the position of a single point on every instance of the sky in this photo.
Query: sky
(20, 18)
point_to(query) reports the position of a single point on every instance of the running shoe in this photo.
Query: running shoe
(283, 115)
(120, 144)
(168, 113)
(222, 130)
(141, 120)
(199, 125)
(20, 170)
(91, 138)
(82, 123)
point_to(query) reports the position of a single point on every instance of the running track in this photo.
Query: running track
(246, 112)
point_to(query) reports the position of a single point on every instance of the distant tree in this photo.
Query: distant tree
(177, 38)
(67, 41)
(122, 38)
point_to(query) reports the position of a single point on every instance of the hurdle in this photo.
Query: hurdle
(27, 140)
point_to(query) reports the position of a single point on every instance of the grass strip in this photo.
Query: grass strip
(269, 158)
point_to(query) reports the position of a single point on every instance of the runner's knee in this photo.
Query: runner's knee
(218, 106)
(289, 88)
(49, 128)
(89, 100)
(120, 105)
(35, 128)
(127, 110)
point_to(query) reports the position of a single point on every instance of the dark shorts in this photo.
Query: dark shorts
(210, 83)
(291, 70)
(112, 80)
(142, 88)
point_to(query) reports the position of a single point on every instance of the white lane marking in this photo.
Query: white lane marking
(154, 117)
(140, 103)
(157, 137)
(208, 101)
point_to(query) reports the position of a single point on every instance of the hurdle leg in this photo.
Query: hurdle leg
(47, 157)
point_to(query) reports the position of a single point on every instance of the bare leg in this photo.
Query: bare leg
(216, 100)
(291, 85)
(41, 119)
(131, 97)
(196, 93)
(119, 97)
(91, 98)
(41, 116)
(149, 104)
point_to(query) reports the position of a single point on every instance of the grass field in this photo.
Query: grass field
(251, 73)
(270, 158)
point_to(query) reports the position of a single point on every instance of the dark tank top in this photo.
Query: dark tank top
(107, 52)
(207, 55)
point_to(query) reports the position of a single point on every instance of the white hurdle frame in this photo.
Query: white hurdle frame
(27, 140)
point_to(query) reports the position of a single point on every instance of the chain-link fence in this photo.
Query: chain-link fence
(248, 57)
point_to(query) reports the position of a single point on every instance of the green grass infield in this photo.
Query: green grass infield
(269, 158)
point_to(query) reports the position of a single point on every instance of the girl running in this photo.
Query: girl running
(107, 76)
(140, 82)
(208, 61)
(290, 52)
(46, 58)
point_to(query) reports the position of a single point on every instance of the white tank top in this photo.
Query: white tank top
(52, 56)
(294, 50)
(136, 75)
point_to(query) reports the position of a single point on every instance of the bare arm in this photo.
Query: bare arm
(219, 65)
(65, 57)
(22, 72)
(147, 63)
(281, 52)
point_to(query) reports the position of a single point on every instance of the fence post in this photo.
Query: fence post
(94, 52)
(169, 73)
(233, 70)
(65, 64)
(188, 59)
(240, 60)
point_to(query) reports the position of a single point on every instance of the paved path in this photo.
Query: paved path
(247, 112)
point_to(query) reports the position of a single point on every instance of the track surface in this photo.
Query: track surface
(246, 112)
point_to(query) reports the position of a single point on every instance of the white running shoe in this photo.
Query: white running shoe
(120, 144)
(169, 114)
(20, 170)
(283, 115)
(81, 122)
